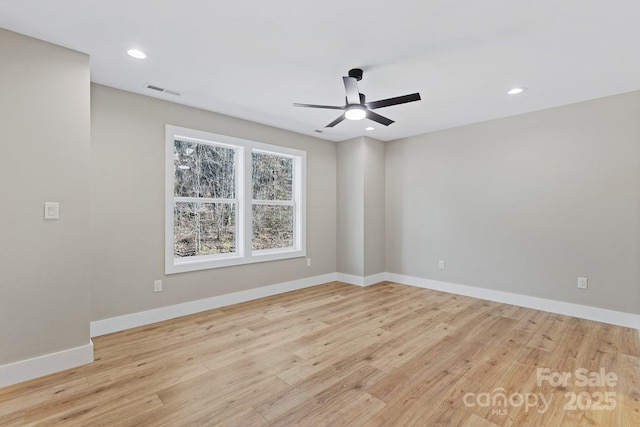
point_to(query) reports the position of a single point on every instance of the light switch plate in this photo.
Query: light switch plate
(582, 283)
(51, 210)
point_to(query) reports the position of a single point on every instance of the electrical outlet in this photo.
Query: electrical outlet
(308, 262)
(157, 286)
(51, 210)
(582, 283)
(441, 265)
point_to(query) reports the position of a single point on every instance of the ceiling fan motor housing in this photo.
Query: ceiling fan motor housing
(356, 73)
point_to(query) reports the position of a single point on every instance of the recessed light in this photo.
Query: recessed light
(137, 53)
(517, 90)
(369, 128)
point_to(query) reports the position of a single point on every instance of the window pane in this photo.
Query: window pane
(272, 177)
(204, 229)
(272, 227)
(203, 170)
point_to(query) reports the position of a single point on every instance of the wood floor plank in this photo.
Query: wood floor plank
(448, 407)
(40, 391)
(99, 399)
(411, 406)
(393, 353)
(323, 407)
(248, 417)
(11, 419)
(107, 415)
(207, 405)
(627, 394)
(533, 319)
(476, 421)
(341, 341)
(337, 354)
(549, 334)
(305, 387)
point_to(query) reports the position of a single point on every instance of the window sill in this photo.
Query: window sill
(172, 266)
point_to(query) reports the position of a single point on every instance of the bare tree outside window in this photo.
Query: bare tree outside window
(273, 208)
(205, 208)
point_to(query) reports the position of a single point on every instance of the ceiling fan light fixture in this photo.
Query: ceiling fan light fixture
(355, 112)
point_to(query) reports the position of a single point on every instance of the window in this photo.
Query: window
(231, 201)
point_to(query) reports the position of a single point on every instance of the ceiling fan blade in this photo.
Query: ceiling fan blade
(378, 118)
(328, 107)
(351, 87)
(335, 122)
(393, 101)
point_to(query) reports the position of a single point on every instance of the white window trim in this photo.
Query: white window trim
(244, 201)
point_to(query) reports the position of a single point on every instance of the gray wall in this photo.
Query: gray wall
(127, 211)
(374, 202)
(44, 265)
(361, 202)
(350, 210)
(524, 204)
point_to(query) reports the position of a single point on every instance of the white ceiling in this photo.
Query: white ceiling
(253, 59)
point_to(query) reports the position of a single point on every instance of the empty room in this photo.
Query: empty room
(300, 213)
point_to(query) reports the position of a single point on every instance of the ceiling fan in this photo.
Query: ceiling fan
(356, 107)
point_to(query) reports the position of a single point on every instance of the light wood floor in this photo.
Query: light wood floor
(386, 355)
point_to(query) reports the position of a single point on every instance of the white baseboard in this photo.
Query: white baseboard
(559, 307)
(25, 370)
(361, 281)
(375, 278)
(50, 363)
(120, 323)
(115, 324)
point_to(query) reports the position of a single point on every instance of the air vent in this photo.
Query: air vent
(318, 130)
(163, 90)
